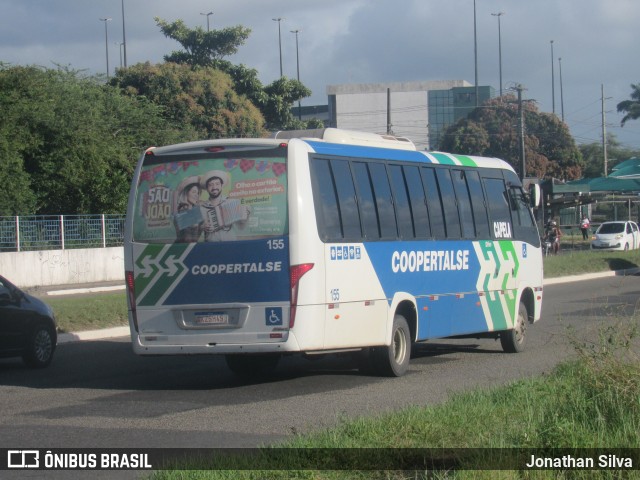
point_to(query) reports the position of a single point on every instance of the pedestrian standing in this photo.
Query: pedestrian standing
(584, 227)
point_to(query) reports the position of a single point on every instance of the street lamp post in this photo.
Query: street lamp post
(298, 70)
(561, 97)
(208, 15)
(124, 38)
(279, 19)
(499, 14)
(106, 41)
(553, 91)
(120, 44)
(475, 50)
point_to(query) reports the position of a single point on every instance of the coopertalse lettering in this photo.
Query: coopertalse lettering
(429, 260)
(236, 268)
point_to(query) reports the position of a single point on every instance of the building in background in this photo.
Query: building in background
(402, 108)
(311, 112)
(447, 106)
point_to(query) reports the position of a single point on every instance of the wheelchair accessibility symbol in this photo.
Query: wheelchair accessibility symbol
(273, 315)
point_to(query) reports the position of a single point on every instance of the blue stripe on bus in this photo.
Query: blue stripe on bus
(239, 271)
(359, 151)
(437, 283)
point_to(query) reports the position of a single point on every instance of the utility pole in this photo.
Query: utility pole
(561, 97)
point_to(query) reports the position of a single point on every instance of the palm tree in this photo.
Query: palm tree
(631, 107)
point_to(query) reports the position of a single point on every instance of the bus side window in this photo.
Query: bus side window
(419, 212)
(436, 214)
(524, 224)
(366, 201)
(451, 218)
(464, 203)
(349, 217)
(327, 212)
(498, 207)
(402, 204)
(478, 204)
(384, 201)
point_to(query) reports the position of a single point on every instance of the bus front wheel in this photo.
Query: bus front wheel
(393, 360)
(513, 341)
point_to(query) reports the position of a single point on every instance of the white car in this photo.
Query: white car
(621, 235)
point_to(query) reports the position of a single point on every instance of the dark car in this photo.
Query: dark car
(27, 326)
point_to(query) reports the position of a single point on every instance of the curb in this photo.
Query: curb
(101, 334)
(590, 276)
(124, 331)
(72, 291)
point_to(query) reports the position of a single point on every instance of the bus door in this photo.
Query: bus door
(500, 285)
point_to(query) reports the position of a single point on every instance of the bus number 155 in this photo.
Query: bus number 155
(276, 244)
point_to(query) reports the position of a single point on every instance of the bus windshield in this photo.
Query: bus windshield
(182, 199)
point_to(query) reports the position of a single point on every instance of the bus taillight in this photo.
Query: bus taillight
(131, 292)
(295, 274)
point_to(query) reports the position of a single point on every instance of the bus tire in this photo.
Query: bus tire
(393, 360)
(251, 366)
(514, 340)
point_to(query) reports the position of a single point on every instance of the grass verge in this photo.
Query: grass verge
(89, 312)
(571, 262)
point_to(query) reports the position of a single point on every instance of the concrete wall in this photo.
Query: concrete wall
(63, 267)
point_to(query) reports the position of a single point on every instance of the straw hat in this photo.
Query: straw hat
(193, 179)
(224, 176)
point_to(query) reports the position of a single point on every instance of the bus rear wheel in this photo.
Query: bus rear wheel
(513, 341)
(393, 360)
(251, 366)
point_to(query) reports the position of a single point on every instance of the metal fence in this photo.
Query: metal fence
(59, 232)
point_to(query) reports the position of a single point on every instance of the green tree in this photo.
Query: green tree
(631, 107)
(492, 130)
(16, 196)
(70, 142)
(200, 97)
(208, 49)
(202, 47)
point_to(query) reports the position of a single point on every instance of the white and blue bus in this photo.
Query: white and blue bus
(326, 241)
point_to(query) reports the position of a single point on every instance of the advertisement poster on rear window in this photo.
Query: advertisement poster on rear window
(211, 200)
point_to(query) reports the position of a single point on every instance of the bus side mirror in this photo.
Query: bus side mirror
(534, 195)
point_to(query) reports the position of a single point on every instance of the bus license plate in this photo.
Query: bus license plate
(212, 318)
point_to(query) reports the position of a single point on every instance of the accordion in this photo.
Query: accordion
(226, 214)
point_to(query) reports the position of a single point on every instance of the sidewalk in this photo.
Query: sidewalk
(116, 332)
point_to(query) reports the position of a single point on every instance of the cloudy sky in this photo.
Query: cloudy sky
(369, 41)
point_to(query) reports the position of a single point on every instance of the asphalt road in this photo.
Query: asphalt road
(99, 394)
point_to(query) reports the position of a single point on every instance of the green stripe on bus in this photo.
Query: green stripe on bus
(466, 161)
(444, 159)
(497, 313)
(168, 269)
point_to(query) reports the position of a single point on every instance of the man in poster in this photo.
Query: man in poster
(222, 213)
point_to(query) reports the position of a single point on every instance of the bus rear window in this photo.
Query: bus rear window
(211, 199)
